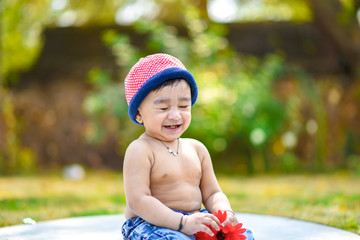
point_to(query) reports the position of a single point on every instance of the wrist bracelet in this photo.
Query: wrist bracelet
(181, 224)
(230, 211)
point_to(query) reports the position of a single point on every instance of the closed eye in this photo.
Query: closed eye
(184, 106)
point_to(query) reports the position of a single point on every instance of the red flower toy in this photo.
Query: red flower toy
(229, 232)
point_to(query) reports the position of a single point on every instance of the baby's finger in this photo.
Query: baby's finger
(226, 222)
(214, 218)
(235, 221)
(230, 220)
(207, 230)
(214, 224)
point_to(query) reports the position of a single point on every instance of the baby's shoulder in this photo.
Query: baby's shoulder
(139, 145)
(193, 143)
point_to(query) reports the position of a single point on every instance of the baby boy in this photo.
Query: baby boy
(167, 178)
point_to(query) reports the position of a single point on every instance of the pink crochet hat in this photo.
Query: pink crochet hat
(150, 72)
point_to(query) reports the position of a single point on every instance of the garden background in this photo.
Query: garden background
(278, 107)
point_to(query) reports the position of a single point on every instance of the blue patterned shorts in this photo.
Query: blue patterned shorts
(138, 229)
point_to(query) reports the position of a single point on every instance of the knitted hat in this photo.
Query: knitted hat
(150, 72)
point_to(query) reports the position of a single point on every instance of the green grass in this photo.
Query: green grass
(52, 197)
(328, 199)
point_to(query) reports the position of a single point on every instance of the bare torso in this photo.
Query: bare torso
(175, 180)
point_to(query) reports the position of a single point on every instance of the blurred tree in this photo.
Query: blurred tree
(22, 23)
(336, 20)
(338, 24)
(234, 112)
(254, 126)
(238, 115)
(14, 157)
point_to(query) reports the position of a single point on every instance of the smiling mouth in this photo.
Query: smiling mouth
(173, 126)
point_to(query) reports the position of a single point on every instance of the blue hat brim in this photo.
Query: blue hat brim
(156, 80)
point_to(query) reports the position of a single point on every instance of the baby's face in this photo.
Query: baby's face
(166, 113)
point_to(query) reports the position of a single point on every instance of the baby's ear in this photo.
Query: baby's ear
(138, 117)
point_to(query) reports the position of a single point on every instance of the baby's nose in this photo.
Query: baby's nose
(174, 114)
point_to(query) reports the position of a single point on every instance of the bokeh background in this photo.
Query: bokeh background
(278, 106)
(279, 81)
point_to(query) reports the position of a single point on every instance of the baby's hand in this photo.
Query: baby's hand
(199, 222)
(230, 218)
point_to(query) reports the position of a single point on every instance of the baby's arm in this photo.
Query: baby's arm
(213, 197)
(136, 170)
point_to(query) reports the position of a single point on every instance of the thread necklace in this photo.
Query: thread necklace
(170, 150)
